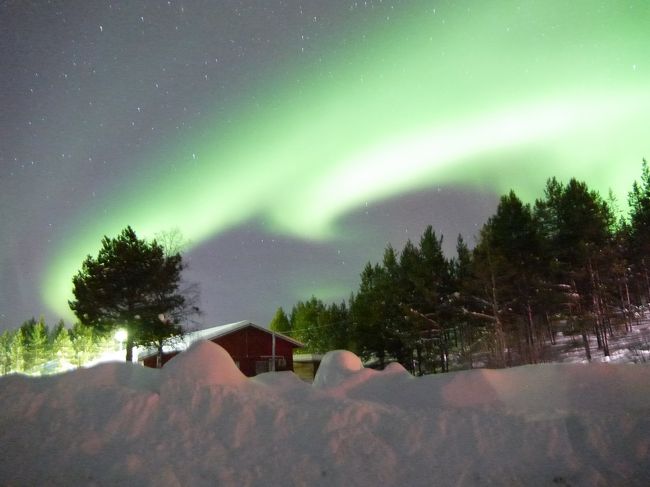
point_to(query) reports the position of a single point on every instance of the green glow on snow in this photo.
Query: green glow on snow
(494, 95)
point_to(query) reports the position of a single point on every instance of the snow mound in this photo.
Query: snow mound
(203, 364)
(342, 374)
(284, 380)
(285, 385)
(536, 425)
(114, 374)
(107, 375)
(395, 368)
(336, 367)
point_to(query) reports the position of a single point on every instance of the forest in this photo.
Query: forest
(570, 262)
(36, 349)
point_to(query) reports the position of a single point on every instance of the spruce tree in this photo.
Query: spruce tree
(336, 327)
(18, 351)
(469, 328)
(460, 267)
(5, 352)
(38, 347)
(280, 322)
(368, 315)
(400, 336)
(62, 349)
(306, 324)
(83, 343)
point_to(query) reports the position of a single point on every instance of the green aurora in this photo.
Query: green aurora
(488, 95)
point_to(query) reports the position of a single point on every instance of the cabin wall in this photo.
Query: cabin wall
(251, 350)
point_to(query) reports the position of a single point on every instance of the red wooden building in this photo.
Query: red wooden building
(249, 345)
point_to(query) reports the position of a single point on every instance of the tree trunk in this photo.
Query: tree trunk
(597, 309)
(530, 334)
(585, 342)
(498, 326)
(444, 365)
(129, 348)
(550, 329)
(647, 279)
(159, 355)
(628, 307)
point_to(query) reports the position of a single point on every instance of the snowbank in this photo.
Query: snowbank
(199, 422)
(203, 364)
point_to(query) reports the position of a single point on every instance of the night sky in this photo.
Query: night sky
(290, 141)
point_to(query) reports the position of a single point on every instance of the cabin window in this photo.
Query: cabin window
(261, 366)
(266, 364)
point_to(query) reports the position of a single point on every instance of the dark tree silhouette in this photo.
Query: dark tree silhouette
(132, 284)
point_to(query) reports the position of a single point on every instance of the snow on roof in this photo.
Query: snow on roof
(183, 342)
(307, 357)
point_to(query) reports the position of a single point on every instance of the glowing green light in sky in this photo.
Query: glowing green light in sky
(495, 95)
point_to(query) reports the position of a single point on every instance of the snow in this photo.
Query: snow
(630, 347)
(336, 367)
(206, 364)
(199, 422)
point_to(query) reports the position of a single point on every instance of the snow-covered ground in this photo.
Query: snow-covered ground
(200, 422)
(624, 347)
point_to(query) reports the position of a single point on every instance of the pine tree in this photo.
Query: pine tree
(484, 299)
(462, 296)
(508, 270)
(425, 286)
(134, 285)
(579, 234)
(639, 231)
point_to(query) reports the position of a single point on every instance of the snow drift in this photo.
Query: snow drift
(200, 422)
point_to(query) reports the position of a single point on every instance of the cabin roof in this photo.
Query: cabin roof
(183, 342)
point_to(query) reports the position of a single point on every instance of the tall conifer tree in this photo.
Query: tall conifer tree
(132, 284)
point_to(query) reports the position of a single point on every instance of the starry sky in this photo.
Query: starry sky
(290, 140)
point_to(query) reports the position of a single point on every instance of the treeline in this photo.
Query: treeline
(569, 262)
(36, 349)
